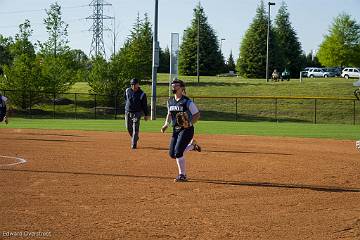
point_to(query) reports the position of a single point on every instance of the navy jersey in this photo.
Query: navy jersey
(179, 106)
(2, 106)
(136, 101)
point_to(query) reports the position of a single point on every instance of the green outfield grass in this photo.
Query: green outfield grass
(333, 131)
(238, 86)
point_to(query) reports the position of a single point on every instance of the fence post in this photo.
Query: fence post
(236, 109)
(276, 110)
(54, 96)
(315, 110)
(95, 107)
(354, 113)
(75, 106)
(30, 100)
(115, 110)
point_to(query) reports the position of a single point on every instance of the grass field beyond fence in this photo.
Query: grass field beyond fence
(317, 100)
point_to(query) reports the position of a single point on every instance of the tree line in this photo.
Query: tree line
(52, 66)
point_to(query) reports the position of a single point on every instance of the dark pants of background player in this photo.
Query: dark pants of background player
(132, 123)
(179, 141)
(2, 116)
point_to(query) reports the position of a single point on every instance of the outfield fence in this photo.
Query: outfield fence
(31, 104)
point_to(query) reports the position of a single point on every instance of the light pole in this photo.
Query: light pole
(221, 40)
(198, 48)
(267, 43)
(155, 63)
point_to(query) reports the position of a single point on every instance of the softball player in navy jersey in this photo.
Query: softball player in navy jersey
(3, 110)
(182, 138)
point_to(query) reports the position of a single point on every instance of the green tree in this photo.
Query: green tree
(108, 78)
(211, 61)
(98, 78)
(5, 54)
(81, 64)
(164, 61)
(230, 64)
(138, 49)
(252, 57)
(23, 73)
(312, 61)
(341, 47)
(58, 73)
(57, 30)
(289, 48)
(22, 44)
(133, 60)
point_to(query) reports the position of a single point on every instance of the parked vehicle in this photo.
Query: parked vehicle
(319, 72)
(305, 72)
(350, 73)
(334, 70)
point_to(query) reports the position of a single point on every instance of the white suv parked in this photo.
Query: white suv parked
(350, 73)
(319, 72)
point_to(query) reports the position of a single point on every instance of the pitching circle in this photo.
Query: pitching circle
(17, 161)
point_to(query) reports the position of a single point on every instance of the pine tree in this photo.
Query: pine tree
(312, 61)
(252, 58)
(164, 61)
(211, 61)
(341, 47)
(137, 50)
(288, 46)
(231, 63)
(133, 60)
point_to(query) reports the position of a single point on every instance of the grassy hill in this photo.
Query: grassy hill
(236, 86)
(236, 99)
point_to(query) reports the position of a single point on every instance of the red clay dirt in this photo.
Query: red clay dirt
(91, 185)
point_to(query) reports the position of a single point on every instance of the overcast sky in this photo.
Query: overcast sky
(230, 19)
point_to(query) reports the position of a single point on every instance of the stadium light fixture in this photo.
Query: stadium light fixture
(221, 40)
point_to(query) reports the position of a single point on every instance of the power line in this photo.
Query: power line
(40, 10)
(41, 23)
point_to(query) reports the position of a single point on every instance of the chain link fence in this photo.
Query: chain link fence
(31, 104)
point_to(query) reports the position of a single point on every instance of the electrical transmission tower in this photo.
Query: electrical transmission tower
(97, 44)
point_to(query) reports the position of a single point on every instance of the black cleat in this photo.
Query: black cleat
(197, 148)
(181, 178)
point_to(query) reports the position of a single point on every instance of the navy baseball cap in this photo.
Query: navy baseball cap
(182, 84)
(134, 81)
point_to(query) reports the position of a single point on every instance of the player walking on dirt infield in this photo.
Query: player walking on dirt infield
(135, 104)
(183, 114)
(3, 109)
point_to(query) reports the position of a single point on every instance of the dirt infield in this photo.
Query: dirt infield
(91, 185)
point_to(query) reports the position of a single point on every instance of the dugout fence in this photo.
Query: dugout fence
(30, 104)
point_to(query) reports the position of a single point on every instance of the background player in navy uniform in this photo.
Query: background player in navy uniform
(135, 104)
(3, 109)
(182, 138)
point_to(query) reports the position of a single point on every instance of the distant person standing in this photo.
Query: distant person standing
(135, 105)
(3, 109)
